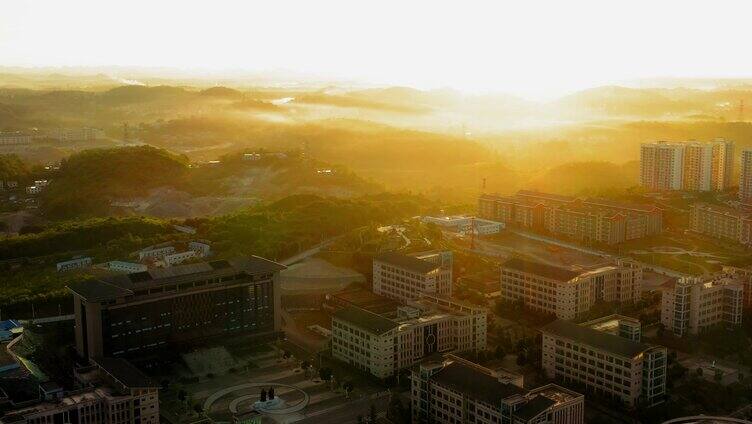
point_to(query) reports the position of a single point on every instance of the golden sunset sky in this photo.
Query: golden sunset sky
(530, 48)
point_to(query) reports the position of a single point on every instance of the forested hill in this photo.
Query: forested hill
(88, 180)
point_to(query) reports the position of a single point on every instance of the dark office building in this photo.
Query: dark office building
(131, 314)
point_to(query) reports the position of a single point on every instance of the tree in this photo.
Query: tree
(325, 373)
(499, 352)
(698, 371)
(182, 394)
(198, 408)
(521, 359)
(271, 393)
(263, 395)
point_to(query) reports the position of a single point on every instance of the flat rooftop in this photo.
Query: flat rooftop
(541, 269)
(411, 263)
(368, 300)
(597, 339)
(115, 286)
(366, 320)
(475, 383)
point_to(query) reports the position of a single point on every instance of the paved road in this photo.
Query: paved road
(314, 250)
(348, 412)
(310, 252)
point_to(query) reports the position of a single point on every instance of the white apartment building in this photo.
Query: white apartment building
(179, 258)
(661, 165)
(721, 222)
(202, 249)
(745, 179)
(623, 369)
(693, 166)
(75, 263)
(454, 390)
(569, 293)
(405, 277)
(382, 346)
(15, 137)
(126, 267)
(155, 252)
(723, 164)
(691, 304)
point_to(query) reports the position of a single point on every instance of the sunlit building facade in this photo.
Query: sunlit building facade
(721, 222)
(610, 365)
(382, 345)
(590, 220)
(690, 305)
(692, 166)
(745, 179)
(405, 277)
(567, 293)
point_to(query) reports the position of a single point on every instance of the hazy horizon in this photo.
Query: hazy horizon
(536, 50)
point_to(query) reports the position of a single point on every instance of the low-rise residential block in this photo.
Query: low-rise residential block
(75, 263)
(126, 267)
(721, 222)
(589, 220)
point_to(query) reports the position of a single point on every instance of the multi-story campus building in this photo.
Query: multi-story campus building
(693, 166)
(721, 222)
(568, 293)
(605, 363)
(744, 276)
(111, 392)
(405, 277)
(454, 390)
(15, 137)
(131, 314)
(382, 345)
(745, 179)
(593, 219)
(691, 304)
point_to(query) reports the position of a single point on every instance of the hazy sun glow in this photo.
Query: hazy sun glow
(532, 48)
